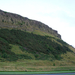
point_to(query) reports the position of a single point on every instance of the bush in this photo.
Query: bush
(53, 64)
(4, 55)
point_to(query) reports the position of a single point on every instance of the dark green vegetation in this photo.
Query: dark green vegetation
(42, 47)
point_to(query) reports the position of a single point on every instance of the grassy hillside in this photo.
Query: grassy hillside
(16, 44)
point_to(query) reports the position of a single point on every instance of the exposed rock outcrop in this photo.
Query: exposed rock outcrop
(10, 21)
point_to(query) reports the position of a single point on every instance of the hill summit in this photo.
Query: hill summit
(15, 21)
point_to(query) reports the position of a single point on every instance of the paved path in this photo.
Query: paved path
(42, 74)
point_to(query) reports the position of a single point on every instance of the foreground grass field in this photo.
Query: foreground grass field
(36, 65)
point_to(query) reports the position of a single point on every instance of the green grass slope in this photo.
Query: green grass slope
(24, 45)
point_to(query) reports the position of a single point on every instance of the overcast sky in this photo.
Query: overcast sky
(57, 14)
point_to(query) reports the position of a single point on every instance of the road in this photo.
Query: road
(43, 74)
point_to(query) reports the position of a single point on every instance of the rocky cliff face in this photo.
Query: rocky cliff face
(14, 21)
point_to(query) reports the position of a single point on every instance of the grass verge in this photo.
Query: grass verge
(37, 72)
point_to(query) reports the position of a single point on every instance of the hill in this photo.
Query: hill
(32, 44)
